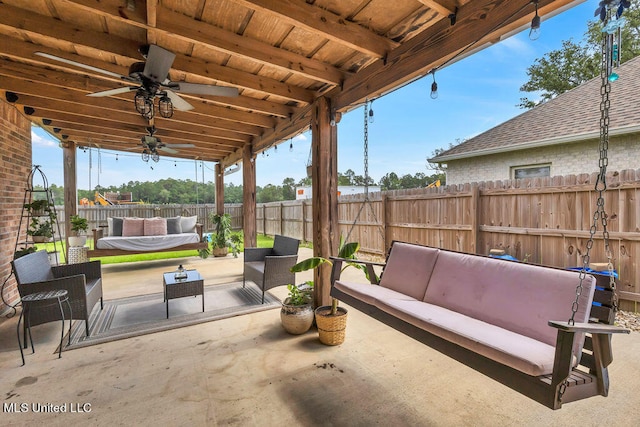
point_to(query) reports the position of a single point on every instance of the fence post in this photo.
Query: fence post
(385, 237)
(475, 213)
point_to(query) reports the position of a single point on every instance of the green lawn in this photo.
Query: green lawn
(263, 242)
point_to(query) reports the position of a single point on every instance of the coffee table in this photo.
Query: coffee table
(192, 285)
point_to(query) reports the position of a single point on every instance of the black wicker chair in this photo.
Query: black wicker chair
(83, 281)
(270, 267)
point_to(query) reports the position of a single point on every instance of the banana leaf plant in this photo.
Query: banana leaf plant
(346, 251)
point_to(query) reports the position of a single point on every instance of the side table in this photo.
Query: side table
(78, 254)
(43, 299)
(192, 285)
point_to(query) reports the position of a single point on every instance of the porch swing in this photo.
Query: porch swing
(453, 320)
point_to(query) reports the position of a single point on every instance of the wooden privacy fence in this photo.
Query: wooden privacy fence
(543, 221)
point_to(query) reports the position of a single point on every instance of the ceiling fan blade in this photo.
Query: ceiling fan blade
(168, 150)
(158, 63)
(200, 89)
(178, 102)
(81, 65)
(110, 92)
(179, 145)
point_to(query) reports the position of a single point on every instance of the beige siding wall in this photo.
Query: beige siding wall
(567, 159)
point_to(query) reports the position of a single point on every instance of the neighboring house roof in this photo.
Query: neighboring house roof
(570, 117)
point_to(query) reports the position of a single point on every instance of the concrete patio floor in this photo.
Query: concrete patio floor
(246, 371)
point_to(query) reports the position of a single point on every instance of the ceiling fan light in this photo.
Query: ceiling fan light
(145, 155)
(143, 104)
(165, 107)
(155, 156)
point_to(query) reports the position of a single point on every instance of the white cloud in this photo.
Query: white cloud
(42, 141)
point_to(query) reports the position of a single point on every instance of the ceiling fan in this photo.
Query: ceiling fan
(152, 144)
(152, 77)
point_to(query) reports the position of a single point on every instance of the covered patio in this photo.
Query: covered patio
(247, 370)
(295, 65)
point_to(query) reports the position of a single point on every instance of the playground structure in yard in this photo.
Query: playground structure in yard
(110, 199)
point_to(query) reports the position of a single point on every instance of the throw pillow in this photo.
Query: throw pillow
(188, 224)
(132, 227)
(117, 227)
(155, 226)
(109, 226)
(174, 226)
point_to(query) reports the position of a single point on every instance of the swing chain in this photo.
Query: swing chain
(600, 214)
(366, 150)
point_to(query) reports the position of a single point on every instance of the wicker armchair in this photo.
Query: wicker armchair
(83, 281)
(270, 267)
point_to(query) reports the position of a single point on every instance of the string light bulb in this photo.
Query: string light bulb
(434, 86)
(290, 146)
(534, 32)
(371, 118)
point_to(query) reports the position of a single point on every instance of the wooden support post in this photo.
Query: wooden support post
(324, 195)
(249, 197)
(70, 189)
(219, 189)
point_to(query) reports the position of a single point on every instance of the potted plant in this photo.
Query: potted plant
(297, 312)
(223, 239)
(78, 226)
(40, 229)
(42, 220)
(331, 320)
(38, 208)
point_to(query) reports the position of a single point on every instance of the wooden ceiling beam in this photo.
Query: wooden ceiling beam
(442, 7)
(180, 120)
(185, 28)
(174, 24)
(166, 135)
(83, 139)
(107, 122)
(422, 53)
(57, 84)
(301, 14)
(32, 23)
(152, 10)
(192, 66)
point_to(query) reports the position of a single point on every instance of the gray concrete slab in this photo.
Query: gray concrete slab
(247, 371)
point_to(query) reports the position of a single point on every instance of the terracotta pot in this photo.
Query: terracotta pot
(331, 328)
(296, 319)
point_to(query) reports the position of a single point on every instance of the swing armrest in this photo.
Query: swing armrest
(590, 328)
(602, 352)
(337, 268)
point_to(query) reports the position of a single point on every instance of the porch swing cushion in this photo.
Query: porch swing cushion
(499, 309)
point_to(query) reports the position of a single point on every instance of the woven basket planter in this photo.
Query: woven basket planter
(331, 328)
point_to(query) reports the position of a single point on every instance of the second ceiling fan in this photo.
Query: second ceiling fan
(152, 77)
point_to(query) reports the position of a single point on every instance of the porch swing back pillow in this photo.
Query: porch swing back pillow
(132, 227)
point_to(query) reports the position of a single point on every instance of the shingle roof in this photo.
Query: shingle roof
(571, 116)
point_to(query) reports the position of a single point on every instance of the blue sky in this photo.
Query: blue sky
(475, 94)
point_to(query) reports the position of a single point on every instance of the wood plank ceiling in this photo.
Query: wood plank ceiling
(280, 55)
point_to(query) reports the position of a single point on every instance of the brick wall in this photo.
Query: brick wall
(566, 159)
(15, 165)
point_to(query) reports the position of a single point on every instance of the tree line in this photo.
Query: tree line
(169, 190)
